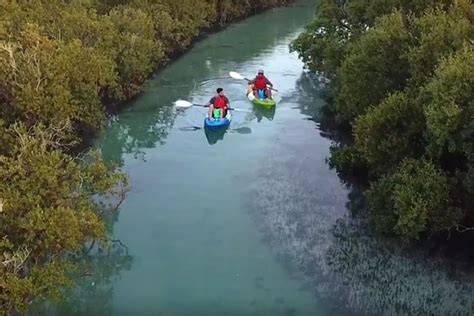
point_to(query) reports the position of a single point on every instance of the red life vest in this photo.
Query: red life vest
(220, 102)
(261, 82)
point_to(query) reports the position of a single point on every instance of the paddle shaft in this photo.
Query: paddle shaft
(186, 104)
(271, 88)
(206, 106)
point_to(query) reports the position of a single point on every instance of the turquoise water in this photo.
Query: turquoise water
(196, 249)
(194, 244)
(250, 221)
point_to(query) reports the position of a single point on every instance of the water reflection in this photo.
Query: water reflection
(97, 268)
(145, 126)
(261, 112)
(213, 136)
(308, 95)
(311, 222)
(147, 120)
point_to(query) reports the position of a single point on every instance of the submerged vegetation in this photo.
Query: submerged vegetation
(62, 64)
(402, 80)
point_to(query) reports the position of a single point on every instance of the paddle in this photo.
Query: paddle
(238, 76)
(239, 130)
(186, 104)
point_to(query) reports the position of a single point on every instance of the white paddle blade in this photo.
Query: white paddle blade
(235, 75)
(182, 104)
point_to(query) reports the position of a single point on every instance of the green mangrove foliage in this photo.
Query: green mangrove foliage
(62, 64)
(62, 59)
(402, 78)
(51, 205)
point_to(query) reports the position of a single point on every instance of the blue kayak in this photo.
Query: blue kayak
(218, 123)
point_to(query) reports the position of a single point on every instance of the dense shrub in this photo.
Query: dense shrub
(61, 64)
(402, 77)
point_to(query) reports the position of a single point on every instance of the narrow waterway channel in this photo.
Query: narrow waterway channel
(250, 222)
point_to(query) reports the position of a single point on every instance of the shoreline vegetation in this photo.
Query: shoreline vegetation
(401, 82)
(63, 66)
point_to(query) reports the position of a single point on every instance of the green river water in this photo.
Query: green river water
(253, 221)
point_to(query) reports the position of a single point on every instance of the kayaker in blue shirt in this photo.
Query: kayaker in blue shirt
(219, 101)
(260, 88)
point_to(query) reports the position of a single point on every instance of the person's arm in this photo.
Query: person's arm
(211, 101)
(253, 80)
(269, 83)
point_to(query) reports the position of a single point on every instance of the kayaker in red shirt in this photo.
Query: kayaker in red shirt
(219, 101)
(260, 82)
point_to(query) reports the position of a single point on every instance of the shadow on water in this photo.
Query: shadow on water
(324, 232)
(242, 130)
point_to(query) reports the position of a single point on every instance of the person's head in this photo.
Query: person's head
(260, 72)
(220, 91)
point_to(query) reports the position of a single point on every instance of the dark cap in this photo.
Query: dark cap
(219, 90)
